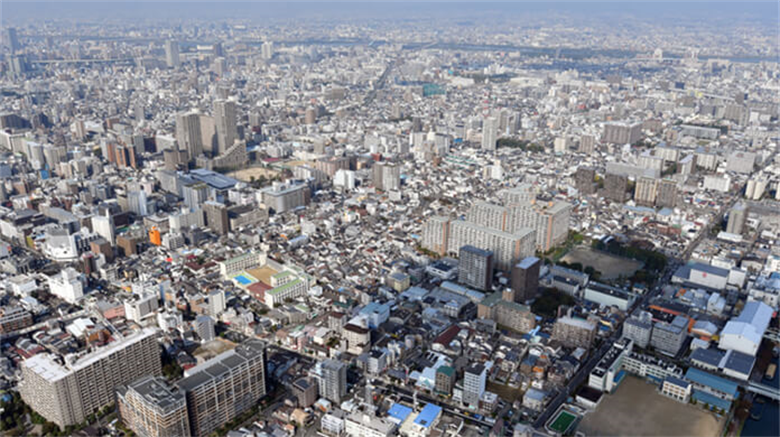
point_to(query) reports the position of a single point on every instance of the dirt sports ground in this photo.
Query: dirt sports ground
(637, 409)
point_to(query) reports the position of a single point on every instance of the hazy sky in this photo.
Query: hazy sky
(15, 11)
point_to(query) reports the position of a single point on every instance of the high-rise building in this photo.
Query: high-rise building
(667, 194)
(226, 124)
(615, 187)
(172, 54)
(475, 267)
(267, 50)
(585, 180)
(216, 217)
(474, 382)
(622, 133)
(738, 215)
(188, 133)
(435, 234)
(204, 327)
(150, 407)
(489, 133)
(103, 225)
(525, 279)
(223, 387)
(12, 40)
(550, 220)
(646, 191)
(386, 176)
(506, 247)
(66, 392)
(332, 379)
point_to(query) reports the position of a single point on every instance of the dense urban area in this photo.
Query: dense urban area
(525, 225)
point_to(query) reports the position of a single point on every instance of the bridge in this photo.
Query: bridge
(763, 390)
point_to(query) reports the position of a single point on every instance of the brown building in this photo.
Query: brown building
(525, 279)
(216, 217)
(573, 332)
(14, 318)
(306, 391)
(445, 380)
(507, 313)
(127, 245)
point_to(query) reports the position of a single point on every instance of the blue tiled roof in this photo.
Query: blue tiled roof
(428, 414)
(706, 398)
(399, 412)
(707, 379)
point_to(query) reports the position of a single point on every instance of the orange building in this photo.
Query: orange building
(154, 236)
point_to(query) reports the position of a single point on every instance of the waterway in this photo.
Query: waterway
(768, 423)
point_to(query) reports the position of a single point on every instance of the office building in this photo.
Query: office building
(489, 133)
(331, 378)
(474, 382)
(150, 407)
(65, 391)
(475, 267)
(223, 387)
(574, 332)
(668, 337)
(525, 279)
(141, 306)
(615, 187)
(738, 215)
(188, 133)
(172, 54)
(226, 124)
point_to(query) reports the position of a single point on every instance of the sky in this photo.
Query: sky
(16, 10)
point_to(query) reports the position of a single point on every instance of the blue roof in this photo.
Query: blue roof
(706, 398)
(213, 179)
(428, 414)
(399, 412)
(716, 382)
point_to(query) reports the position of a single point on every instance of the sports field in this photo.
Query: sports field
(637, 409)
(562, 422)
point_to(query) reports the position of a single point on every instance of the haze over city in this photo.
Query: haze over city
(349, 219)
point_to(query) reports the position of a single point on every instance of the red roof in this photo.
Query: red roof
(446, 337)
